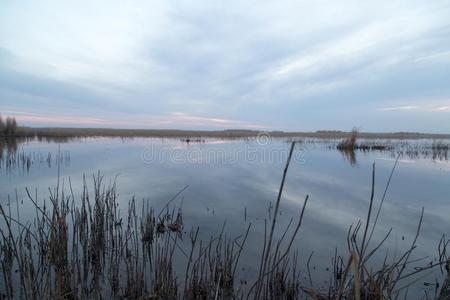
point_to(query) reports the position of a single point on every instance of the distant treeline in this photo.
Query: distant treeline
(8, 127)
(229, 133)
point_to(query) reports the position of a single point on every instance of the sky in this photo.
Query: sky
(266, 65)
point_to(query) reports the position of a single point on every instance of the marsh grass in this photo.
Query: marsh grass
(83, 248)
(350, 143)
(435, 150)
(23, 161)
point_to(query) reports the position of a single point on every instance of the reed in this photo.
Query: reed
(349, 144)
(350, 141)
(13, 160)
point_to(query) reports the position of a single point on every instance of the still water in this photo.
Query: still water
(235, 182)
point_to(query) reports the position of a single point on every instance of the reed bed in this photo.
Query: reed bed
(86, 247)
(350, 143)
(23, 161)
(435, 150)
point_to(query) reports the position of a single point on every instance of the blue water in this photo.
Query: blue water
(237, 181)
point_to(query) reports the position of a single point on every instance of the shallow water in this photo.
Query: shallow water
(237, 181)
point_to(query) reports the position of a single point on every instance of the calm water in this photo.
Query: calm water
(236, 181)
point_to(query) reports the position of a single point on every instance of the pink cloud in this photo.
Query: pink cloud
(172, 120)
(51, 120)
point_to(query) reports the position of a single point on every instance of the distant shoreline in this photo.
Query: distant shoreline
(66, 132)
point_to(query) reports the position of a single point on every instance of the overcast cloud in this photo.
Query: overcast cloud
(286, 65)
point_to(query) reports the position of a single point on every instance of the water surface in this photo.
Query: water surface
(236, 182)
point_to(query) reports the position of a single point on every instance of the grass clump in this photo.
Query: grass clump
(350, 141)
(350, 144)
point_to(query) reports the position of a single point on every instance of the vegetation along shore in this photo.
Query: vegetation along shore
(9, 128)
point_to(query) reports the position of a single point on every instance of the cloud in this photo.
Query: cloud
(52, 119)
(441, 109)
(400, 108)
(291, 65)
(183, 118)
(422, 108)
(172, 120)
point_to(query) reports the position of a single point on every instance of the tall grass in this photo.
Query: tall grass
(13, 158)
(350, 141)
(87, 249)
(349, 144)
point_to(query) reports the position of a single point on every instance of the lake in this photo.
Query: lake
(235, 182)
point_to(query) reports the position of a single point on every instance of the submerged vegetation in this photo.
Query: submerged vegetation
(14, 158)
(86, 247)
(23, 161)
